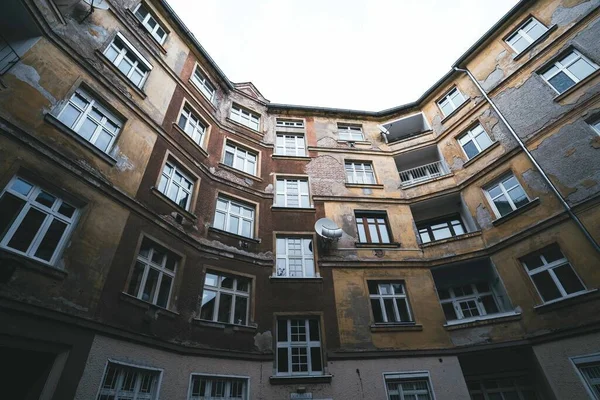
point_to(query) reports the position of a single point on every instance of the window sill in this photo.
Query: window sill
(578, 85)
(362, 245)
(412, 327)
(483, 320)
(233, 235)
(182, 132)
(173, 205)
(55, 122)
(296, 279)
(142, 27)
(223, 326)
(147, 306)
(238, 171)
(533, 203)
(283, 157)
(125, 79)
(365, 185)
(484, 152)
(535, 43)
(566, 301)
(247, 128)
(365, 142)
(294, 209)
(456, 111)
(10, 261)
(292, 380)
(451, 239)
(206, 100)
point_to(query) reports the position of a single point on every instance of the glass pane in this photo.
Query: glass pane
(45, 199)
(136, 77)
(66, 210)
(470, 149)
(246, 228)
(389, 310)
(125, 66)
(519, 43)
(282, 360)
(552, 253)
(545, 285)
(373, 233)
(208, 304)
(532, 261)
(503, 205)
(561, 82)
(225, 302)
(27, 230)
(315, 359)
(489, 304)
(362, 236)
(10, 206)
(446, 108)
(442, 233)
(111, 53)
(535, 30)
(136, 279)
(243, 285)
(424, 236)
(22, 187)
(241, 306)
(164, 291)
(568, 279)
(403, 310)
(69, 115)
(495, 191)
(87, 129)
(518, 196)
(211, 279)
(228, 159)
(103, 140)
(233, 224)
(581, 69)
(51, 238)
(449, 312)
(282, 330)
(150, 287)
(384, 234)
(483, 140)
(377, 313)
(227, 282)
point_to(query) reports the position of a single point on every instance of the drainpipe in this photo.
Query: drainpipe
(574, 217)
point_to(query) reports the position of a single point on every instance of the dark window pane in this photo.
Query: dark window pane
(315, 359)
(546, 286)
(51, 238)
(241, 305)
(388, 304)
(66, 210)
(208, 305)
(227, 282)
(164, 291)
(282, 360)
(470, 149)
(449, 312)
(10, 206)
(532, 261)
(45, 199)
(489, 304)
(503, 205)
(27, 230)
(150, 287)
(482, 287)
(443, 294)
(568, 279)
(552, 253)
(225, 308)
(372, 287)
(561, 82)
(313, 326)
(136, 279)
(403, 310)
(282, 330)
(377, 314)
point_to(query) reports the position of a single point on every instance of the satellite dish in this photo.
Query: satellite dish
(99, 4)
(327, 229)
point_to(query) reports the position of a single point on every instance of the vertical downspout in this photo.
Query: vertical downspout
(566, 205)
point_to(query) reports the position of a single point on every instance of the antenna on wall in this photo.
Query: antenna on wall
(328, 232)
(99, 4)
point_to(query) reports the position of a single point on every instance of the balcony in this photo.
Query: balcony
(18, 33)
(421, 166)
(404, 128)
(8, 56)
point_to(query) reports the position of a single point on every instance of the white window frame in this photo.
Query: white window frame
(211, 378)
(391, 377)
(170, 181)
(122, 52)
(565, 69)
(85, 114)
(241, 153)
(245, 117)
(146, 23)
(289, 123)
(306, 258)
(227, 214)
(520, 32)
(307, 344)
(393, 296)
(504, 191)
(193, 126)
(596, 125)
(288, 196)
(586, 361)
(204, 85)
(350, 132)
(140, 369)
(360, 170)
(297, 150)
(234, 292)
(51, 214)
(448, 98)
(474, 297)
(470, 136)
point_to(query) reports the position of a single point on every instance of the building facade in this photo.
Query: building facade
(166, 233)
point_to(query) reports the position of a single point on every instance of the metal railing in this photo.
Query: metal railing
(8, 56)
(422, 173)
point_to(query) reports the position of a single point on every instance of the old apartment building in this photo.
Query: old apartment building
(166, 233)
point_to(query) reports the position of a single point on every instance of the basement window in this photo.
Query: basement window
(408, 386)
(150, 23)
(526, 34)
(570, 69)
(519, 387)
(129, 382)
(128, 60)
(218, 387)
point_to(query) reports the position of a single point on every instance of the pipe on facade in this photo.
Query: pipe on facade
(566, 205)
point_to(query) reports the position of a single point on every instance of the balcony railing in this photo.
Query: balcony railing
(422, 173)
(8, 56)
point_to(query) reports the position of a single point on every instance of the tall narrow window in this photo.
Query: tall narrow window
(372, 227)
(203, 84)
(568, 70)
(389, 302)
(295, 258)
(126, 382)
(207, 387)
(240, 158)
(360, 172)
(552, 274)
(192, 125)
(451, 101)
(350, 132)
(91, 120)
(408, 386)
(176, 185)
(150, 23)
(299, 347)
(128, 60)
(234, 217)
(288, 144)
(34, 222)
(474, 141)
(506, 196)
(292, 193)
(225, 298)
(468, 301)
(245, 117)
(526, 34)
(153, 274)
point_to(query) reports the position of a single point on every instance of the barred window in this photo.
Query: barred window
(408, 386)
(128, 382)
(209, 387)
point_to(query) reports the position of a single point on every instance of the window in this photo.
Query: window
(451, 101)
(468, 301)
(299, 347)
(290, 145)
(192, 125)
(150, 23)
(389, 302)
(360, 172)
(442, 228)
(225, 298)
(234, 217)
(203, 84)
(551, 273)
(589, 369)
(127, 382)
(176, 185)
(526, 34)
(153, 274)
(350, 132)
(292, 193)
(506, 196)
(206, 387)
(34, 222)
(520, 388)
(91, 120)
(128, 61)
(290, 123)
(295, 258)
(245, 117)
(408, 386)
(474, 141)
(240, 158)
(372, 227)
(596, 126)
(568, 70)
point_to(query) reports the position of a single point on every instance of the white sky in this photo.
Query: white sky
(358, 54)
